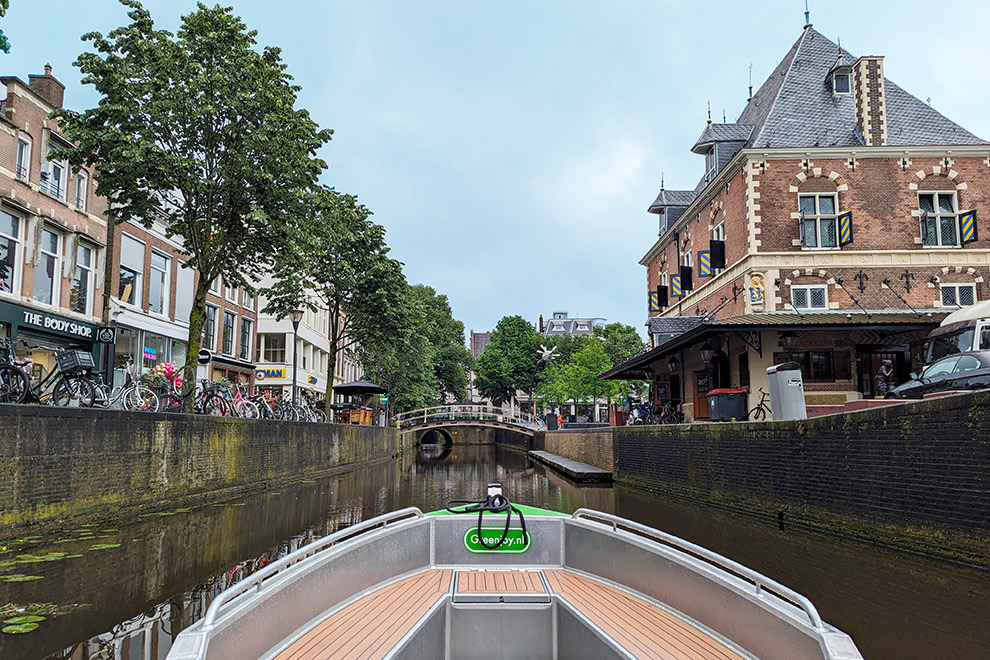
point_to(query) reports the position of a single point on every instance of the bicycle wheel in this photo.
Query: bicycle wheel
(169, 403)
(102, 395)
(758, 414)
(14, 384)
(140, 398)
(319, 416)
(247, 409)
(73, 392)
(215, 405)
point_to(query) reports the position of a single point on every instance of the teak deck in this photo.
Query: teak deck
(370, 627)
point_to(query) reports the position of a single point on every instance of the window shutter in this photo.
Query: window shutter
(845, 228)
(717, 250)
(687, 282)
(663, 298)
(967, 227)
(704, 264)
(653, 301)
(39, 226)
(70, 251)
(675, 285)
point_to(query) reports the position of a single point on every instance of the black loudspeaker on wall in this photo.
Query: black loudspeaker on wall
(686, 282)
(663, 299)
(717, 251)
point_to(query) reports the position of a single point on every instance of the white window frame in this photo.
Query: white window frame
(87, 274)
(166, 282)
(665, 278)
(57, 270)
(835, 88)
(211, 346)
(937, 215)
(956, 287)
(54, 186)
(806, 289)
(228, 290)
(22, 165)
(233, 333)
(718, 232)
(711, 163)
(15, 269)
(818, 217)
(215, 285)
(240, 334)
(82, 189)
(247, 300)
(687, 259)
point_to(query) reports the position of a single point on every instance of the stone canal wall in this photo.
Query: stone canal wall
(915, 475)
(56, 463)
(593, 447)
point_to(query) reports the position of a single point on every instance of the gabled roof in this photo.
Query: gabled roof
(795, 107)
(672, 325)
(722, 133)
(672, 198)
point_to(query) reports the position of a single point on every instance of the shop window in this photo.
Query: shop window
(245, 347)
(819, 228)
(184, 291)
(131, 270)
(81, 290)
(9, 243)
(158, 280)
(46, 270)
(958, 295)
(23, 157)
(812, 296)
(274, 348)
(154, 350)
(229, 319)
(180, 351)
(939, 222)
(819, 365)
(210, 328)
(82, 186)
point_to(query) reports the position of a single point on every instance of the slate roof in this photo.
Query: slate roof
(795, 107)
(672, 198)
(672, 325)
(723, 133)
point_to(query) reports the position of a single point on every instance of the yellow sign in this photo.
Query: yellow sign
(269, 372)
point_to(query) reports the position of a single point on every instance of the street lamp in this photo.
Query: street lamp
(788, 341)
(707, 352)
(295, 315)
(673, 363)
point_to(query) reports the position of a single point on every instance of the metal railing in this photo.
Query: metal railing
(760, 581)
(256, 580)
(465, 413)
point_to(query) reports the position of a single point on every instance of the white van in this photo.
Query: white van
(966, 329)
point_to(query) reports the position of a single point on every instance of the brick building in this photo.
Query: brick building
(835, 224)
(52, 228)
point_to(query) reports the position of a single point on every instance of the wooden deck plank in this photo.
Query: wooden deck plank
(499, 582)
(368, 628)
(646, 631)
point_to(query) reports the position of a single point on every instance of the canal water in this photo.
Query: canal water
(124, 591)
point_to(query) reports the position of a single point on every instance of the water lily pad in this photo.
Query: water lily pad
(28, 618)
(110, 531)
(7, 564)
(29, 559)
(20, 578)
(104, 546)
(19, 628)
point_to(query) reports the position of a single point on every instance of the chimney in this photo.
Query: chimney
(47, 87)
(871, 100)
(541, 323)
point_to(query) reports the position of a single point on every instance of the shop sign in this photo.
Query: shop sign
(56, 324)
(150, 353)
(312, 380)
(272, 372)
(106, 334)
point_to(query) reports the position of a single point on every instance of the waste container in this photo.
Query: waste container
(727, 405)
(786, 391)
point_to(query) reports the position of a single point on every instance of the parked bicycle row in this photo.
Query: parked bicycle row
(72, 382)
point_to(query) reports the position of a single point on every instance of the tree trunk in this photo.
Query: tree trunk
(197, 316)
(331, 370)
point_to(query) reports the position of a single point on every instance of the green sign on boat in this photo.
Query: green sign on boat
(514, 542)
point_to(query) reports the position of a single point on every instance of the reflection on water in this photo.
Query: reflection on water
(168, 568)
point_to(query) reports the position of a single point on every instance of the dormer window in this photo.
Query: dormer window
(841, 82)
(711, 164)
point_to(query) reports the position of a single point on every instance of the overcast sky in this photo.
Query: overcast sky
(511, 148)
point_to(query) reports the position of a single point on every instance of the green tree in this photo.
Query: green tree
(445, 334)
(341, 264)
(509, 361)
(622, 342)
(199, 130)
(578, 379)
(4, 43)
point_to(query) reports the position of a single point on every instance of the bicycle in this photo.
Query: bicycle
(14, 383)
(66, 385)
(131, 396)
(761, 410)
(671, 413)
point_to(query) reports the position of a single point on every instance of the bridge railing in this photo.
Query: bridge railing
(466, 413)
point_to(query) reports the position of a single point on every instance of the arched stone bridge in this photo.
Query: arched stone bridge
(442, 417)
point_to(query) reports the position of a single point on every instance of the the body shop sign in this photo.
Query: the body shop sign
(58, 324)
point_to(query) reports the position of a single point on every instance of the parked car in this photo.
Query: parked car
(962, 371)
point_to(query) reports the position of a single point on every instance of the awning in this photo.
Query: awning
(358, 387)
(639, 367)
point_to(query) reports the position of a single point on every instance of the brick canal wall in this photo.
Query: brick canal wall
(915, 476)
(56, 463)
(594, 447)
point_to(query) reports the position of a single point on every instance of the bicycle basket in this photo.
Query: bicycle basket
(72, 362)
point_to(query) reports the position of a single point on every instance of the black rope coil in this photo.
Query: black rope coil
(497, 503)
